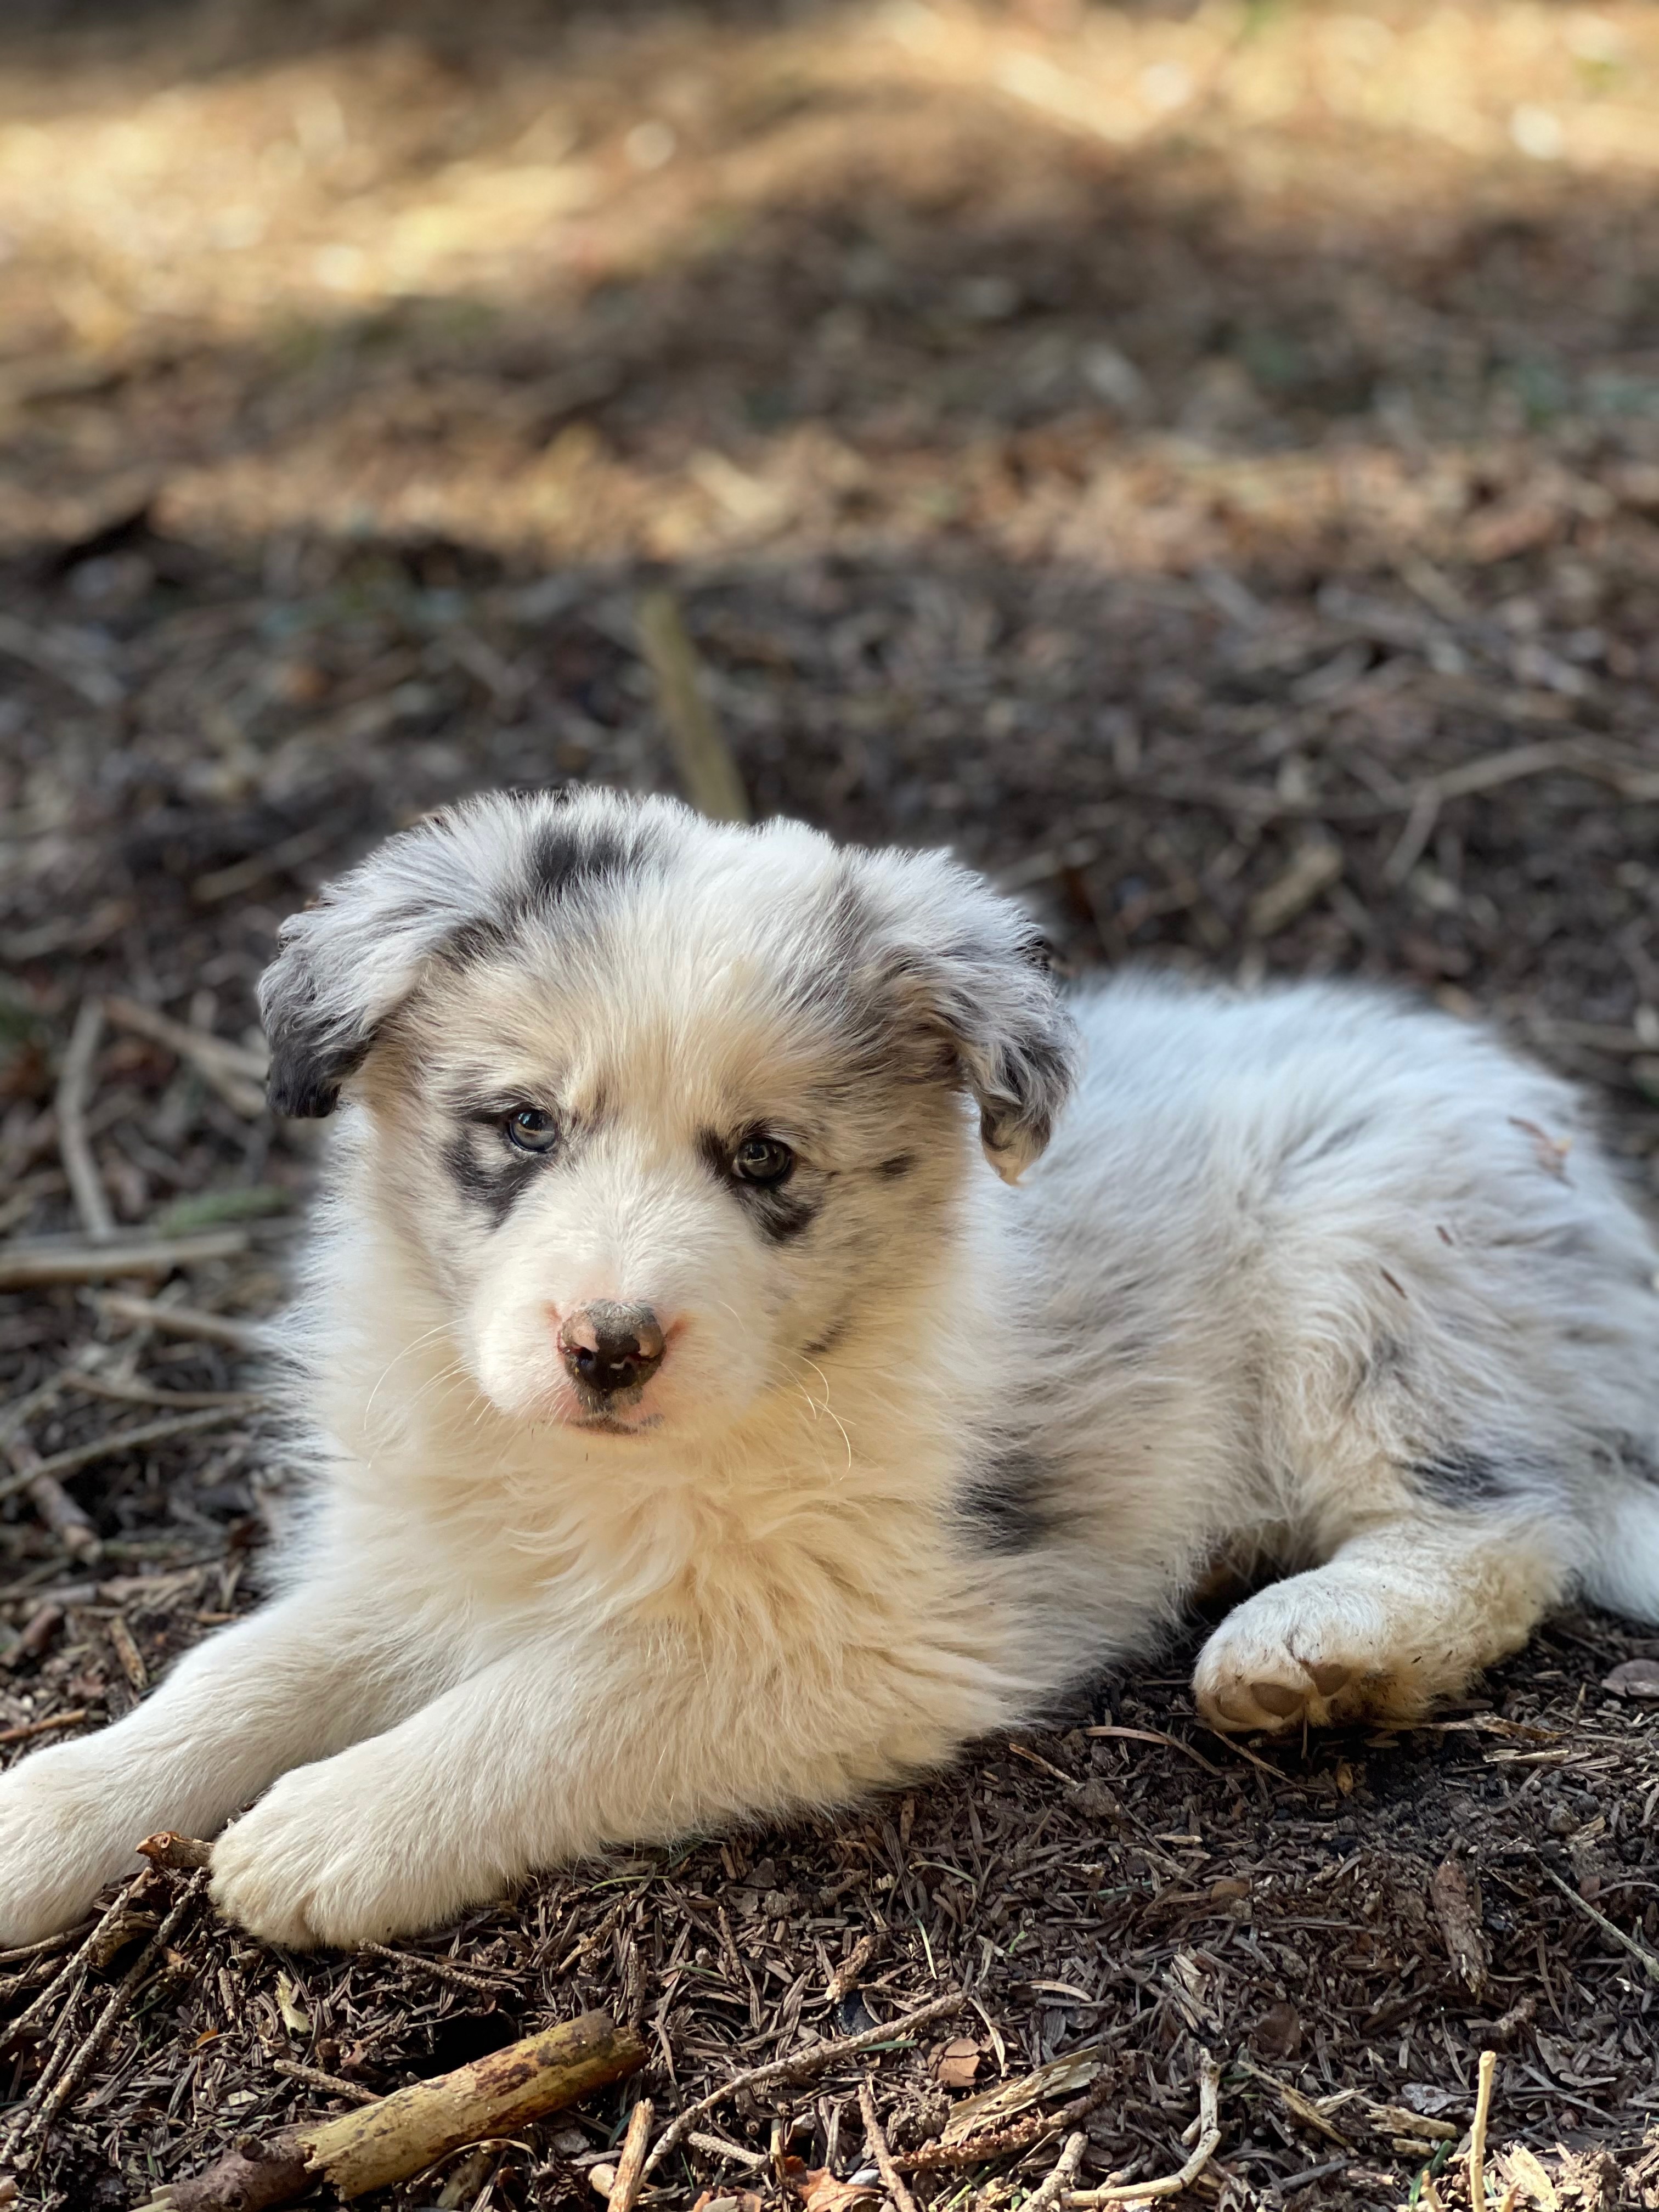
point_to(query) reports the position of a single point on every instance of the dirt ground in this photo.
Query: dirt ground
(1201, 464)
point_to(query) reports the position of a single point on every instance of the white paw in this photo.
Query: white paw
(62, 1838)
(1308, 1652)
(333, 1855)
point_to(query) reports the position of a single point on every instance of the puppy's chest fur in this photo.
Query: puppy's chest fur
(806, 1531)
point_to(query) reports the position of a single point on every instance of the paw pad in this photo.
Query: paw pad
(1278, 1697)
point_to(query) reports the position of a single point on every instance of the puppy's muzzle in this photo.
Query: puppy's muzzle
(609, 1347)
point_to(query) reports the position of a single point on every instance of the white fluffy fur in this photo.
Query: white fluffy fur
(1309, 1279)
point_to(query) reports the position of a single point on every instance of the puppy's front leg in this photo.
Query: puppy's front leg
(307, 1674)
(541, 1758)
(404, 1830)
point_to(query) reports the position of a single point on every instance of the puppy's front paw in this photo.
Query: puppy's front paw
(62, 1837)
(1299, 1655)
(332, 1855)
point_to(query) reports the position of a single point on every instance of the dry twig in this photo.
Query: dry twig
(1170, 2185)
(76, 2067)
(1639, 1952)
(875, 2136)
(630, 2165)
(74, 1089)
(182, 1320)
(997, 2142)
(38, 1477)
(1307, 2113)
(33, 1263)
(799, 2068)
(1478, 2130)
(1155, 1735)
(332, 2084)
(701, 754)
(236, 1072)
(43, 1726)
(1061, 2176)
(185, 1853)
(105, 1447)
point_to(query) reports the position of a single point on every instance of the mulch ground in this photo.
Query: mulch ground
(1205, 467)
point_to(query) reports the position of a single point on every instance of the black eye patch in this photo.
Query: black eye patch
(494, 1158)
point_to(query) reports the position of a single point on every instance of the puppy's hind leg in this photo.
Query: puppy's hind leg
(1399, 1616)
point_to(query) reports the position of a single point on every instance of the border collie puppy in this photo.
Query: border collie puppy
(704, 1432)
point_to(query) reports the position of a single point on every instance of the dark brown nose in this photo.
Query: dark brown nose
(610, 1347)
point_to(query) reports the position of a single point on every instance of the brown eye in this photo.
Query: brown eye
(531, 1130)
(762, 1160)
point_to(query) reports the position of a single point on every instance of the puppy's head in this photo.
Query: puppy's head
(666, 1111)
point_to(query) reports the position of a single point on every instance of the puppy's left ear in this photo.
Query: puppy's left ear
(975, 975)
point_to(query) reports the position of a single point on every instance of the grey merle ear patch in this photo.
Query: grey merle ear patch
(308, 1064)
(455, 884)
(972, 972)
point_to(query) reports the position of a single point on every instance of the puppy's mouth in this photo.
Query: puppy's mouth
(611, 1424)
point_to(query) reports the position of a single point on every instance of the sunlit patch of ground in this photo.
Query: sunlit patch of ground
(630, 285)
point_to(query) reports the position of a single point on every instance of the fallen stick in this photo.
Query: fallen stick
(1064, 2174)
(1154, 1736)
(875, 2139)
(1294, 2101)
(706, 766)
(26, 1728)
(400, 2135)
(798, 2068)
(106, 1446)
(981, 2149)
(446, 1969)
(717, 2147)
(182, 1320)
(38, 1477)
(1639, 1952)
(28, 1263)
(1478, 2130)
(236, 1072)
(1168, 2185)
(175, 1402)
(332, 2084)
(74, 1145)
(630, 2166)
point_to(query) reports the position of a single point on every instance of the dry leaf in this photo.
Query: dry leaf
(1521, 2169)
(957, 2063)
(1636, 1678)
(1457, 1909)
(820, 2191)
(294, 2016)
(1278, 2033)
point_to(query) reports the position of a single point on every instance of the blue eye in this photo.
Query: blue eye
(531, 1130)
(762, 1160)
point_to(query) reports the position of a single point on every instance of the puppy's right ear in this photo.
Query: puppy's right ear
(351, 959)
(471, 873)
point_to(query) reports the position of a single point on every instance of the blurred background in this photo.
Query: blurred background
(1200, 461)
